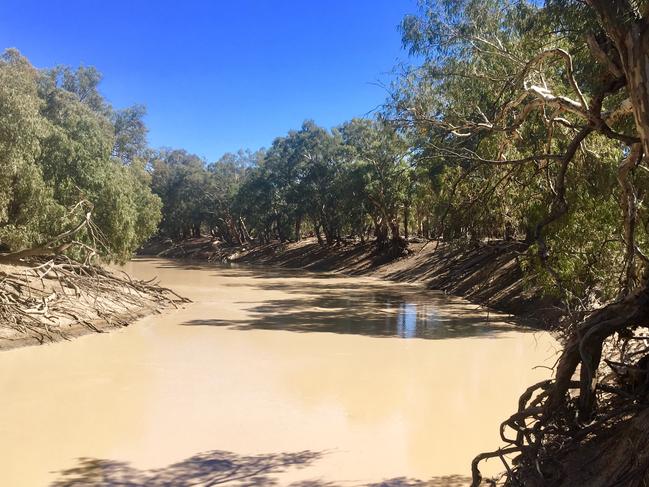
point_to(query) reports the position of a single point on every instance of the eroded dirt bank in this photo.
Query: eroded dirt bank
(58, 300)
(488, 274)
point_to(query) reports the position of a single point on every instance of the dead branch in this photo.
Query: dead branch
(46, 298)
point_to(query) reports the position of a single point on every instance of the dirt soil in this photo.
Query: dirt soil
(488, 274)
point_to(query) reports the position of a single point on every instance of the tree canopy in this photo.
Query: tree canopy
(65, 153)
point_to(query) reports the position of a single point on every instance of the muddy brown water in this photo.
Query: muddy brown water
(270, 377)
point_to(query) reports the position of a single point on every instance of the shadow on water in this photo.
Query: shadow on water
(387, 318)
(322, 302)
(219, 468)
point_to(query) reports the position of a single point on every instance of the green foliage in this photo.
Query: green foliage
(380, 155)
(463, 107)
(56, 145)
(329, 183)
(27, 205)
(180, 180)
(130, 133)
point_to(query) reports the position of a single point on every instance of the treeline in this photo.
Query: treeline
(520, 120)
(506, 130)
(353, 181)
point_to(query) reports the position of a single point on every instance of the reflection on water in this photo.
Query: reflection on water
(407, 320)
(243, 379)
(424, 320)
(334, 304)
(404, 320)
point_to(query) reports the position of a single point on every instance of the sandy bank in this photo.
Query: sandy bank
(53, 301)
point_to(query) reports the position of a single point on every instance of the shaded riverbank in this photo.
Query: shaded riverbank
(270, 375)
(488, 274)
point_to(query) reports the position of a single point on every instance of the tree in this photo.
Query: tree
(521, 106)
(180, 180)
(381, 156)
(225, 178)
(130, 133)
(57, 170)
(27, 205)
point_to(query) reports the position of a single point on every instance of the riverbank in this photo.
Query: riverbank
(59, 300)
(488, 274)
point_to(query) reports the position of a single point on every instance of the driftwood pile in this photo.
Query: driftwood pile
(51, 299)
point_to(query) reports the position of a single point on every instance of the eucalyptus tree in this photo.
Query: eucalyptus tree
(494, 148)
(224, 181)
(381, 156)
(180, 180)
(83, 82)
(76, 162)
(130, 133)
(129, 128)
(324, 185)
(284, 166)
(27, 205)
(56, 152)
(255, 201)
(301, 170)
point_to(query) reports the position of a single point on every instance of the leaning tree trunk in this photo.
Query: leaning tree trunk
(318, 234)
(245, 234)
(629, 204)
(298, 229)
(627, 26)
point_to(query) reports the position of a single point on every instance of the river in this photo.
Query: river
(269, 376)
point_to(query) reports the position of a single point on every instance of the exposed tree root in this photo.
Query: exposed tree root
(43, 299)
(600, 420)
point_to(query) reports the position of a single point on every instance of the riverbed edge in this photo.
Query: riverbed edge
(487, 274)
(78, 330)
(55, 310)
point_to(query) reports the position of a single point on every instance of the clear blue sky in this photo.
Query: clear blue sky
(220, 75)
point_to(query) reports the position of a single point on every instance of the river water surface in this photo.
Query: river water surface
(269, 377)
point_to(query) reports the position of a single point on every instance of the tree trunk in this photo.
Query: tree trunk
(278, 227)
(381, 232)
(298, 229)
(316, 228)
(244, 230)
(406, 217)
(630, 35)
(629, 205)
(329, 236)
(394, 229)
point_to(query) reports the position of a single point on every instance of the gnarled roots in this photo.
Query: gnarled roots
(43, 298)
(594, 430)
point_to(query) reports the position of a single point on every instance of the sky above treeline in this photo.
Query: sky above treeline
(220, 75)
